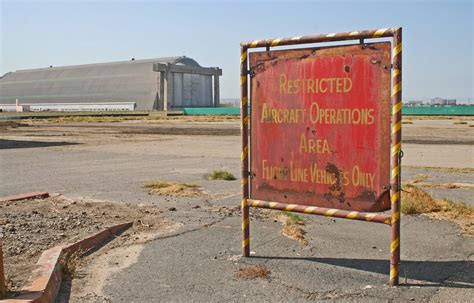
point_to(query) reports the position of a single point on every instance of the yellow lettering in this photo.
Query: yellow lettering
(283, 84)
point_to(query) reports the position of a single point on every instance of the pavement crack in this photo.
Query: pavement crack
(188, 230)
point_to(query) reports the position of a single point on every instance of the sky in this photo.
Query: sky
(437, 35)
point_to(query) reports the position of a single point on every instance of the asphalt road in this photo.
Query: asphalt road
(343, 261)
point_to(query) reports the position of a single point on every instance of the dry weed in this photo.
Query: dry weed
(452, 185)
(220, 174)
(69, 263)
(294, 232)
(253, 273)
(173, 189)
(417, 201)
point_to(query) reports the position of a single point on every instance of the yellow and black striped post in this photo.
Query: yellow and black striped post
(396, 154)
(245, 152)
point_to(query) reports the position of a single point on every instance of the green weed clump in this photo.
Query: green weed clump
(219, 174)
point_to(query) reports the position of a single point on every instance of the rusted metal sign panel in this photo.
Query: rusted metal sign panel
(320, 126)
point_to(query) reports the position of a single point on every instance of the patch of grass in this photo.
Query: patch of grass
(417, 201)
(444, 169)
(454, 185)
(293, 218)
(219, 174)
(294, 232)
(173, 189)
(421, 176)
(457, 210)
(253, 272)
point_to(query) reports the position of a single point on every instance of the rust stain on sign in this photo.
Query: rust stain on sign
(320, 126)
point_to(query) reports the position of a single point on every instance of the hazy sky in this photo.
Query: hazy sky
(437, 35)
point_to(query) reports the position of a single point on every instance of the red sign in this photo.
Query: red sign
(320, 126)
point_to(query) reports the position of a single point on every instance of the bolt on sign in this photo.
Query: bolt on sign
(325, 129)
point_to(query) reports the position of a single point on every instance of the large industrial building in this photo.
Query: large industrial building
(150, 84)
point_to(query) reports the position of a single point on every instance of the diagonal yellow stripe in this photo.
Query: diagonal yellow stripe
(396, 72)
(370, 217)
(353, 33)
(387, 221)
(244, 202)
(395, 217)
(245, 223)
(396, 88)
(276, 42)
(290, 207)
(244, 153)
(393, 273)
(396, 149)
(245, 242)
(330, 35)
(380, 32)
(296, 38)
(396, 50)
(254, 203)
(396, 127)
(244, 101)
(309, 209)
(244, 181)
(397, 107)
(243, 57)
(394, 172)
(394, 245)
(330, 212)
(394, 197)
(254, 43)
(243, 79)
(351, 215)
(272, 204)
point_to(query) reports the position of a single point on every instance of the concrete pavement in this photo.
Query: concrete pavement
(343, 261)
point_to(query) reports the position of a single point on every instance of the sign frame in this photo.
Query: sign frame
(396, 153)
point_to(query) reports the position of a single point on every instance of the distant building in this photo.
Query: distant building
(439, 101)
(150, 84)
(414, 103)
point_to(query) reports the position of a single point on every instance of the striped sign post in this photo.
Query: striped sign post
(394, 186)
(244, 157)
(395, 164)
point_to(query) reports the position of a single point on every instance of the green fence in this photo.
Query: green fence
(438, 110)
(467, 110)
(192, 111)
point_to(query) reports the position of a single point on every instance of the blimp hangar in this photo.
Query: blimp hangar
(147, 84)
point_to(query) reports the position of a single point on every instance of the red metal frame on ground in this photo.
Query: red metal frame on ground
(395, 167)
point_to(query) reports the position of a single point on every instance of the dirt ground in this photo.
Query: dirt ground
(29, 227)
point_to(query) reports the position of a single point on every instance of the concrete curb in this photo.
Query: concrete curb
(48, 275)
(39, 194)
